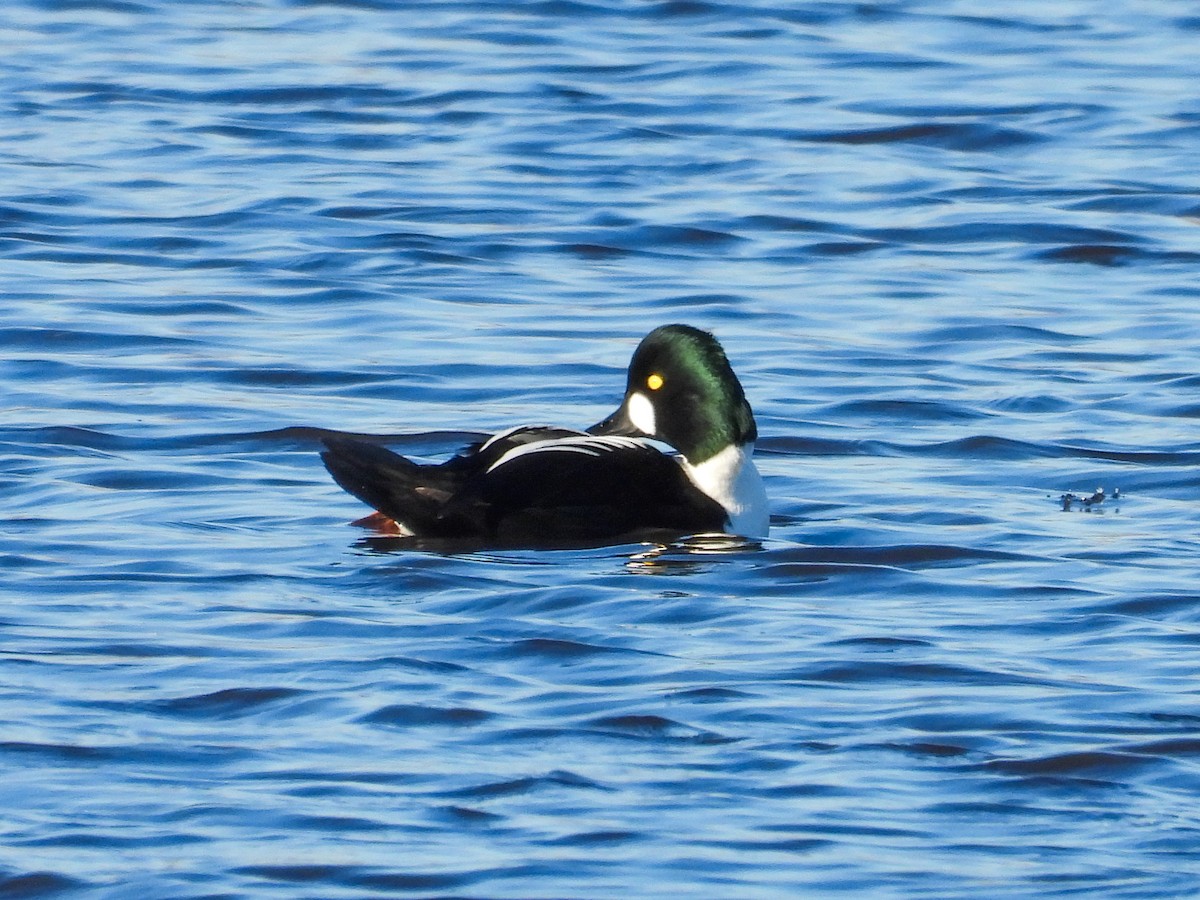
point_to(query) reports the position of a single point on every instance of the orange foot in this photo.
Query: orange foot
(380, 523)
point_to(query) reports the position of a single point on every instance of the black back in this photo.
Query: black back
(540, 498)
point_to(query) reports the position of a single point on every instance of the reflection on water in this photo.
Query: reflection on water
(688, 555)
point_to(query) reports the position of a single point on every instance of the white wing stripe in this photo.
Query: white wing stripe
(589, 446)
(499, 436)
(509, 432)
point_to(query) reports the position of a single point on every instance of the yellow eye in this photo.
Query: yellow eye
(654, 382)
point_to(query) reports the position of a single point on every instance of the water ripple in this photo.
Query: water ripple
(951, 256)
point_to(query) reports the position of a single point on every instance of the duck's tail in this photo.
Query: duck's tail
(411, 494)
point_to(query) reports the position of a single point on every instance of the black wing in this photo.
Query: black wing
(586, 488)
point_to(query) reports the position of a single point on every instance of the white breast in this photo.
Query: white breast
(732, 479)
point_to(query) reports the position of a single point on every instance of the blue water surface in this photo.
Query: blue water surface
(951, 249)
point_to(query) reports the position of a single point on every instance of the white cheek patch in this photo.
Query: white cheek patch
(641, 413)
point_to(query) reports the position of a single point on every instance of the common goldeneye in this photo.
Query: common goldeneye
(541, 486)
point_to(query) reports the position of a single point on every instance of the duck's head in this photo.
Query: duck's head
(682, 391)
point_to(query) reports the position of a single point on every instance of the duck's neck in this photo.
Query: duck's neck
(731, 478)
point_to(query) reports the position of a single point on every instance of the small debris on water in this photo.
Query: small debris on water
(1087, 502)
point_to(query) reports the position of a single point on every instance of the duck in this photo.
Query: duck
(540, 485)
